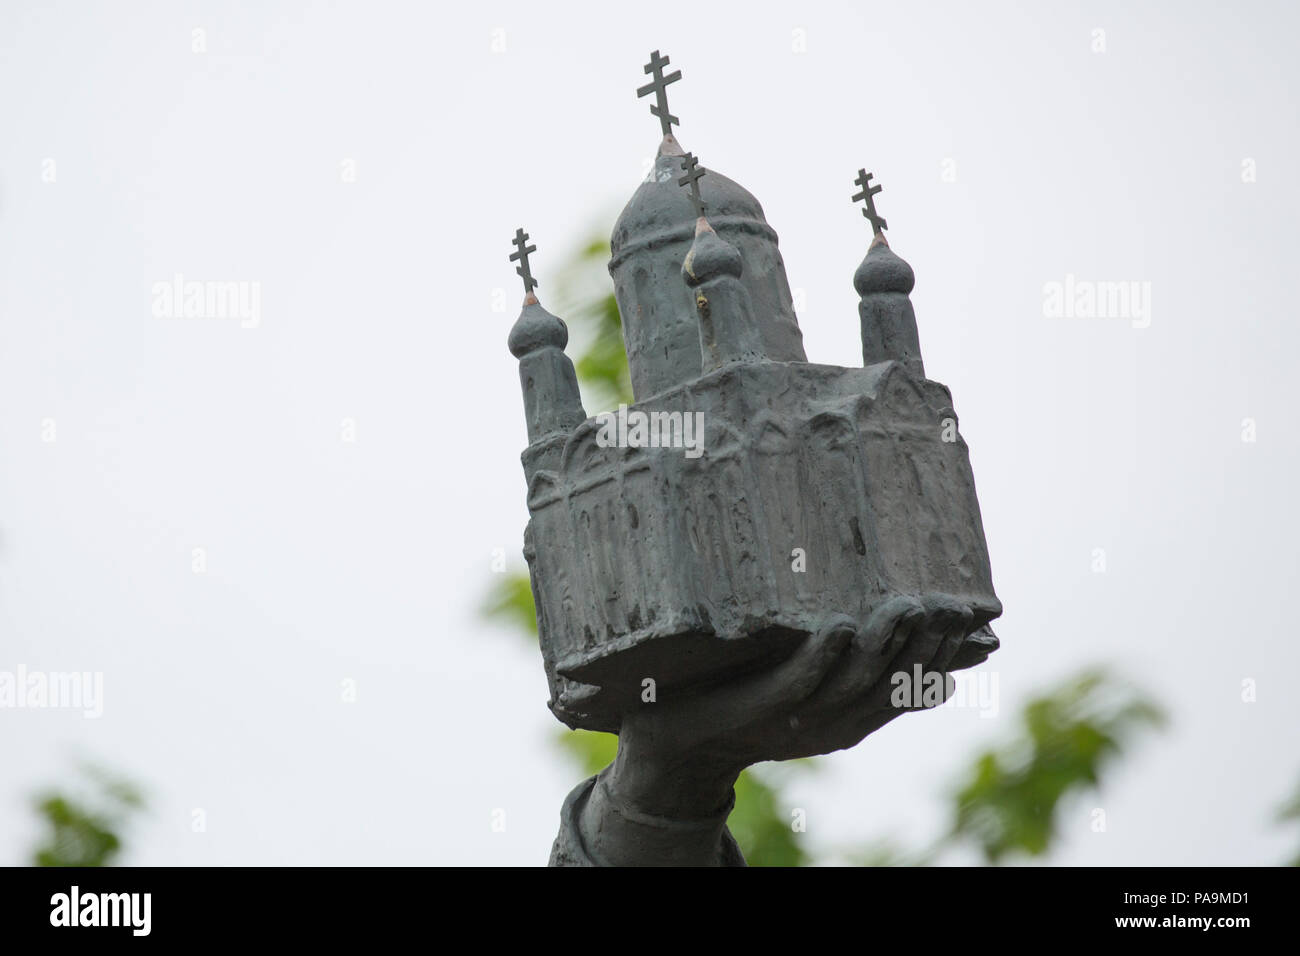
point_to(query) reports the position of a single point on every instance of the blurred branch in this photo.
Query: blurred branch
(1011, 799)
(510, 599)
(1290, 812)
(587, 303)
(83, 830)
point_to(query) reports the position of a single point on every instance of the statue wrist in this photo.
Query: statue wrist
(618, 832)
(669, 785)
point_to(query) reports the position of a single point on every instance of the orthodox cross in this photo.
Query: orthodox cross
(693, 174)
(523, 250)
(659, 87)
(867, 194)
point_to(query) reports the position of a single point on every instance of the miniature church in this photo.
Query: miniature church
(821, 489)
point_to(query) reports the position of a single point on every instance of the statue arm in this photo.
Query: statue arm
(598, 829)
(664, 800)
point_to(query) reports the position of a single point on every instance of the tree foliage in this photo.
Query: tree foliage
(83, 830)
(1290, 813)
(1011, 799)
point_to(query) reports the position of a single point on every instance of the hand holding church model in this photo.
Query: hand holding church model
(758, 601)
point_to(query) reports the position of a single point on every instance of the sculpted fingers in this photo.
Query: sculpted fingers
(886, 632)
(891, 628)
(854, 699)
(952, 620)
(732, 709)
(805, 669)
(927, 645)
(839, 685)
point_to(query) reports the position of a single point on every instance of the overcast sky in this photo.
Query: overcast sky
(367, 163)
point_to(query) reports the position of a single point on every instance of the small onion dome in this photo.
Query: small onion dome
(537, 329)
(882, 271)
(710, 256)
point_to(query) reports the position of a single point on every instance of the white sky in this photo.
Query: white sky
(366, 561)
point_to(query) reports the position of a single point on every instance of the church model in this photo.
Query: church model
(819, 489)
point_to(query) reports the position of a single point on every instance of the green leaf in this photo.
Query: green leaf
(511, 599)
(1011, 798)
(83, 831)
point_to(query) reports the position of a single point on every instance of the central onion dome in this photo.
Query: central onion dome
(651, 239)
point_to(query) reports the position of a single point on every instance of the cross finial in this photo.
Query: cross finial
(867, 194)
(522, 252)
(693, 174)
(659, 87)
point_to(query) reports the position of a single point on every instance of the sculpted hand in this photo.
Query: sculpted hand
(679, 758)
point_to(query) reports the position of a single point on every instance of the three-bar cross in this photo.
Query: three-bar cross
(659, 87)
(868, 193)
(692, 176)
(521, 254)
